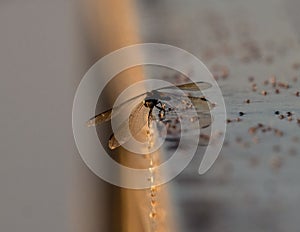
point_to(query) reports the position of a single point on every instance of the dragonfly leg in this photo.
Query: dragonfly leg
(162, 110)
(150, 116)
(161, 114)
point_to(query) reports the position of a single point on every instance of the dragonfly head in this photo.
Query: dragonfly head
(150, 102)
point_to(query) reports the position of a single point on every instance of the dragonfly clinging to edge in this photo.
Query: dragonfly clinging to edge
(142, 114)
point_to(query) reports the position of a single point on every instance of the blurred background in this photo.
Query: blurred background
(252, 49)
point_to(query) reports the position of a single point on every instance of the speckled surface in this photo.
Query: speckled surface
(254, 185)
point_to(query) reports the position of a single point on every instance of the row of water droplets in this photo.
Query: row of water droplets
(153, 189)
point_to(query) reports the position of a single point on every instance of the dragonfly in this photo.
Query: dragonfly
(158, 100)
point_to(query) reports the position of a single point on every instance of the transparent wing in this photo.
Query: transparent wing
(102, 117)
(138, 120)
(180, 102)
(187, 127)
(184, 116)
(106, 115)
(136, 123)
(192, 86)
(201, 104)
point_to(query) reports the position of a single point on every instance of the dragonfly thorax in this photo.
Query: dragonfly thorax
(151, 103)
(152, 99)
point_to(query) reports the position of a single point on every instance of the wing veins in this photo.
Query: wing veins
(106, 115)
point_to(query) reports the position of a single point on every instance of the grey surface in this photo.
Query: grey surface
(36, 91)
(44, 185)
(245, 190)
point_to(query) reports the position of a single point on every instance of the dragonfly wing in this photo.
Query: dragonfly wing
(192, 86)
(179, 102)
(201, 104)
(205, 120)
(103, 117)
(122, 135)
(188, 127)
(133, 127)
(114, 142)
(107, 115)
(138, 118)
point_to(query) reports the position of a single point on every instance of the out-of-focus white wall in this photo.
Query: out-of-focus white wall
(44, 185)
